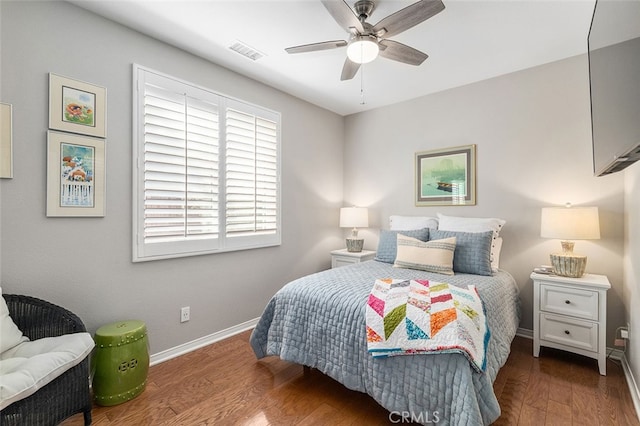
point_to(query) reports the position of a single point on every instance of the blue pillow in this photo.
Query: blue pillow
(473, 250)
(388, 243)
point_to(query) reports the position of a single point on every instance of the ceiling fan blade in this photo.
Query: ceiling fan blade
(401, 52)
(349, 70)
(343, 15)
(407, 18)
(314, 47)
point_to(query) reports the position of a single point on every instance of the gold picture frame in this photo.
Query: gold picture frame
(75, 175)
(446, 177)
(6, 140)
(77, 107)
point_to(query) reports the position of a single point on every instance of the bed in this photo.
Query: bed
(319, 321)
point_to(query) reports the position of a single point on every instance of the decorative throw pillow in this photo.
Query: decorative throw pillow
(10, 334)
(387, 245)
(408, 223)
(474, 224)
(430, 256)
(473, 251)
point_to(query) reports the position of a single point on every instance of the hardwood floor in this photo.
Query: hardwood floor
(223, 384)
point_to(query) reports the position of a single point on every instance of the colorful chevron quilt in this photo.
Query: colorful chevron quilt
(405, 317)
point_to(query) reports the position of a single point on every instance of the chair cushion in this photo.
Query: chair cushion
(29, 366)
(10, 333)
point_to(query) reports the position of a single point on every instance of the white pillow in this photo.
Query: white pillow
(431, 256)
(470, 224)
(496, 247)
(410, 223)
(10, 334)
(476, 224)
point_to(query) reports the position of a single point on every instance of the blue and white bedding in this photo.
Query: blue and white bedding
(319, 321)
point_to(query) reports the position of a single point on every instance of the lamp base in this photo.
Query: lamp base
(354, 245)
(568, 264)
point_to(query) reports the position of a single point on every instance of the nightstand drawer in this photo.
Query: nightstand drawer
(569, 332)
(338, 261)
(569, 301)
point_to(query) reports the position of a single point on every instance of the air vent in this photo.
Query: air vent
(246, 50)
(623, 161)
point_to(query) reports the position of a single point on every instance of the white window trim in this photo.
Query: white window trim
(146, 252)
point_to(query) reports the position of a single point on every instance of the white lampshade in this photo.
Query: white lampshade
(362, 50)
(354, 217)
(570, 223)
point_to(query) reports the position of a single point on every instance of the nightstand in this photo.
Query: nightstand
(571, 314)
(343, 257)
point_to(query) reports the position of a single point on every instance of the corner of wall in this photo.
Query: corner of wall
(631, 281)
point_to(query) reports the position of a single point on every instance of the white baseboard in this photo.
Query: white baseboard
(631, 382)
(201, 342)
(524, 332)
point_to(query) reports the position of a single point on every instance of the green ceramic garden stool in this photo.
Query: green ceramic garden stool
(120, 362)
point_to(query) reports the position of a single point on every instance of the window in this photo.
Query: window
(206, 171)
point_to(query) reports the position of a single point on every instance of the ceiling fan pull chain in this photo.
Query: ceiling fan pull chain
(362, 85)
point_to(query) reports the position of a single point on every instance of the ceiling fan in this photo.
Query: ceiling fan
(368, 41)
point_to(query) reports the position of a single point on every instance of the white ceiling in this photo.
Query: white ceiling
(469, 41)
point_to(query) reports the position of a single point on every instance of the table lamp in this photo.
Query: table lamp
(354, 217)
(569, 223)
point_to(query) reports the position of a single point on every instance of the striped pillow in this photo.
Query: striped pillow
(431, 256)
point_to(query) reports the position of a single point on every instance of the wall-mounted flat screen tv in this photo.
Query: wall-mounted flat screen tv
(614, 77)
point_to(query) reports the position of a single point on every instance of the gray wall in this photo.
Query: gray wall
(85, 264)
(532, 131)
(531, 128)
(632, 265)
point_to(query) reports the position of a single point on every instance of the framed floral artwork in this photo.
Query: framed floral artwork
(446, 177)
(77, 107)
(75, 175)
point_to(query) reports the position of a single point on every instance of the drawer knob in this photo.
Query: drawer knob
(568, 302)
(567, 332)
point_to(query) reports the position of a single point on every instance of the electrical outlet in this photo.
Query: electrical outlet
(624, 333)
(185, 314)
(628, 330)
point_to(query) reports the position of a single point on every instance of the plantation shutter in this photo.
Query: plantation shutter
(207, 171)
(252, 173)
(180, 164)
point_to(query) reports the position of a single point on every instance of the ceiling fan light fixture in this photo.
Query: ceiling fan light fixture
(363, 49)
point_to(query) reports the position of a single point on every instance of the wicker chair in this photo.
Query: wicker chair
(68, 394)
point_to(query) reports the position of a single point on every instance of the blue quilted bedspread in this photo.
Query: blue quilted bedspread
(319, 321)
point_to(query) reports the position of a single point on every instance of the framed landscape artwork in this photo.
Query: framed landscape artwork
(75, 175)
(76, 106)
(446, 177)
